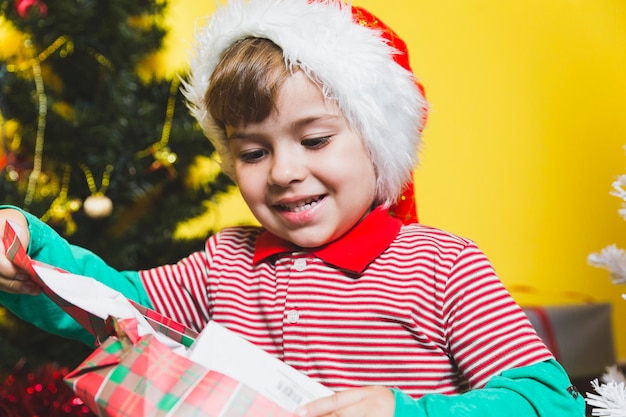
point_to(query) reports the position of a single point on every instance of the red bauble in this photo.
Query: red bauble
(23, 6)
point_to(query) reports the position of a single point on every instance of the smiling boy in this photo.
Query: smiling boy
(316, 115)
(304, 173)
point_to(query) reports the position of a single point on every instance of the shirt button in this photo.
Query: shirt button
(300, 264)
(293, 316)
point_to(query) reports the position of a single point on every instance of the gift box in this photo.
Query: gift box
(580, 336)
(129, 375)
(146, 364)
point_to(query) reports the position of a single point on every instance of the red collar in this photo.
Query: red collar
(353, 251)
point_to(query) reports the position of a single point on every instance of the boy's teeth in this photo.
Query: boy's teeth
(300, 206)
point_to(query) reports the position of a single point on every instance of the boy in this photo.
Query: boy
(316, 115)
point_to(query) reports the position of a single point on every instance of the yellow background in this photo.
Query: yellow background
(525, 135)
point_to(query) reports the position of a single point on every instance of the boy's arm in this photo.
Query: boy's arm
(48, 247)
(540, 390)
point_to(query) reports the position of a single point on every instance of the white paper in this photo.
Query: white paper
(221, 350)
(100, 300)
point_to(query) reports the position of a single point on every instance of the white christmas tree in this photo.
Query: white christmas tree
(610, 397)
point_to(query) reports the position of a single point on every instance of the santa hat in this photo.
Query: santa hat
(359, 61)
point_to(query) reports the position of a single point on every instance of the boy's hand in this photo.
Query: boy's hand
(357, 402)
(14, 280)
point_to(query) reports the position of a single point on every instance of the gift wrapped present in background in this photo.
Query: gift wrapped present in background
(580, 336)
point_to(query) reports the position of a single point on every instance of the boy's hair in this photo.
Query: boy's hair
(245, 82)
(355, 58)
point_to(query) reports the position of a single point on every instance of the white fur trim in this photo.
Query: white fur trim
(354, 64)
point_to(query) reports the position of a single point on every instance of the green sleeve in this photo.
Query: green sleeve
(49, 247)
(540, 390)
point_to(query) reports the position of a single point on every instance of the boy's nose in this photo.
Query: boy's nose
(286, 169)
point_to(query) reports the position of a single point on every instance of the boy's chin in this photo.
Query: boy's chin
(310, 238)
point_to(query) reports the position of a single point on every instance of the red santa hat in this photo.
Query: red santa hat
(359, 62)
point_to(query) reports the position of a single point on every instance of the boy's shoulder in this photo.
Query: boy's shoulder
(240, 232)
(234, 239)
(426, 233)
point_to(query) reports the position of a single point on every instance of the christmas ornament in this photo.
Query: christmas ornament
(97, 205)
(23, 7)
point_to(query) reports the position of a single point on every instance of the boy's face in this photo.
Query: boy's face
(304, 173)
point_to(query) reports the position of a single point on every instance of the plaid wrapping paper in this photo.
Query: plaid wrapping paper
(97, 326)
(16, 253)
(132, 376)
(170, 328)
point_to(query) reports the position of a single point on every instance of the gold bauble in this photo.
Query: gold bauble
(98, 206)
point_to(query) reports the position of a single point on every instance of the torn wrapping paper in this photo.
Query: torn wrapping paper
(221, 350)
(149, 365)
(92, 303)
(132, 375)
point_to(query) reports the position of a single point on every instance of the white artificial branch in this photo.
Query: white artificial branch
(619, 191)
(613, 259)
(610, 400)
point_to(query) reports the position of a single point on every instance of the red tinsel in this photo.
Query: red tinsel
(40, 393)
(23, 7)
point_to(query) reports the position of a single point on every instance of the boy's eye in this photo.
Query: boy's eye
(254, 155)
(316, 143)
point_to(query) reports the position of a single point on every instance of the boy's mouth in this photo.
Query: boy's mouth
(302, 205)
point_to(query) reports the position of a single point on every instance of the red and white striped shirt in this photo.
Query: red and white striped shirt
(411, 307)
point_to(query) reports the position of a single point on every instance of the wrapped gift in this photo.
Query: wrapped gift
(580, 336)
(129, 375)
(149, 365)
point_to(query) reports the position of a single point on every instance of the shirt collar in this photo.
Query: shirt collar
(353, 251)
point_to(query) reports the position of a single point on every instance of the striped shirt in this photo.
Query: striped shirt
(411, 307)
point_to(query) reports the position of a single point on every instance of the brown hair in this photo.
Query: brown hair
(246, 79)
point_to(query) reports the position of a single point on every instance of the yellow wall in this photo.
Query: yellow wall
(525, 136)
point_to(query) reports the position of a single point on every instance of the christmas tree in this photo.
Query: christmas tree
(609, 398)
(97, 144)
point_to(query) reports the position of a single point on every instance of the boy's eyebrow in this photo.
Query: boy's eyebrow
(237, 135)
(313, 119)
(298, 124)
